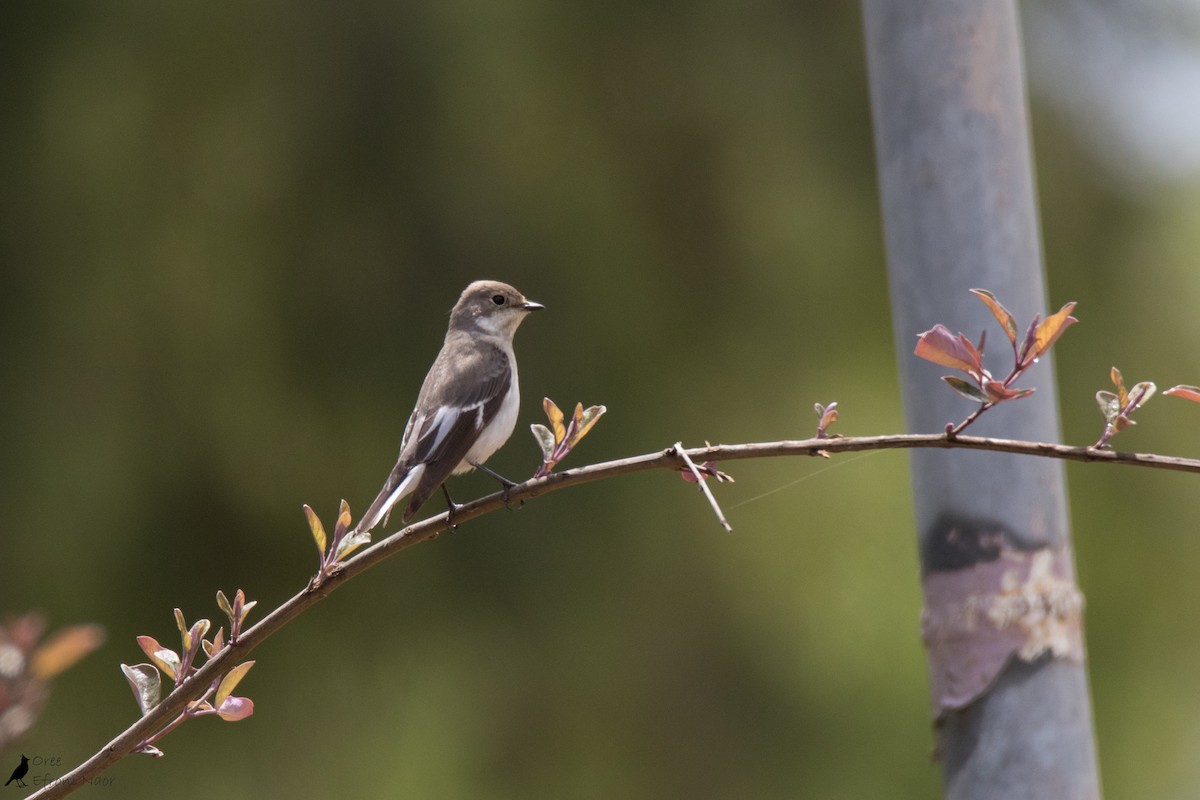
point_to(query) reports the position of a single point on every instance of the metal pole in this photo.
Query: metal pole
(1002, 614)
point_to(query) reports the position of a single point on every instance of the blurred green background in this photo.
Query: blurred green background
(229, 239)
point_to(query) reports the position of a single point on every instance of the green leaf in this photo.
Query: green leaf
(230, 682)
(146, 684)
(1139, 394)
(1110, 405)
(180, 623)
(967, 390)
(223, 603)
(545, 439)
(318, 530)
(352, 542)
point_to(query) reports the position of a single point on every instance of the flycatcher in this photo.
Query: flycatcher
(468, 403)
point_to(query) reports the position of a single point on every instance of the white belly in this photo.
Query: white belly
(495, 435)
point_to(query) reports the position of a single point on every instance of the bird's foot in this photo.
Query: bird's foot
(452, 508)
(506, 486)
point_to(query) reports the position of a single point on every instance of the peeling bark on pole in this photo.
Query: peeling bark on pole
(1002, 612)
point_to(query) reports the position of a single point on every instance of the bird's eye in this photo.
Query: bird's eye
(498, 299)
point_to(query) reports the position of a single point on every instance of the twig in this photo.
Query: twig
(700, 479)
(672, 458)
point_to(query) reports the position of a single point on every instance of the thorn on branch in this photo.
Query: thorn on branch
(699, 478)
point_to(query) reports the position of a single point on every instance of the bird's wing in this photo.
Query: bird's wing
(470, 401)
(457, 401)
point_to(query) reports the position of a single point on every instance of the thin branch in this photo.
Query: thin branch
(673, 458)
(712, 501)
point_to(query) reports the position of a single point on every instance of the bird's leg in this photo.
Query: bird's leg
(452, 507)
(505, 482)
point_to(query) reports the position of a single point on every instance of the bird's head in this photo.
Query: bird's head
(492, 306)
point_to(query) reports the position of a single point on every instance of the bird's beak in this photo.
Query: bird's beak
(529, 305)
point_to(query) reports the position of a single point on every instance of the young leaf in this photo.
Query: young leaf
(1186, 392)
(180, 623)
(555, 415)
(344, 519)
(1049, 330)
(586, 418)
(942, 347)
(349, 544)
(247, 607)
(997, 392)
(1139, 394)
(164, 659)
(545, 440)
(967, 390)
(1110, 405)
(318, 531)
(146, 684)
(1118, 380)
(223, 604)
(1001, 313)
(230, 682)
(235, 708)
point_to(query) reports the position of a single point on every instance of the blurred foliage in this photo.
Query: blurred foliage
(215, 218)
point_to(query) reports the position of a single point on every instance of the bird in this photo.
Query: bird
(468, 403)
(19, 772)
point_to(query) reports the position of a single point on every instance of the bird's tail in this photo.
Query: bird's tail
(400, 483)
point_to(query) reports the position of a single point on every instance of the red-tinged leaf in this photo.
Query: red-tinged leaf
(163, 658)
(1001, 313)
(230, 682)
(942, 347)
(1050, 329)
(1119, 381)
(555, 415)
(198, 630)
(235, 708)
(214, 647)
(65, 648)
(343, 521)
(318, 530)
(707, 470)
(827, 415)
(1186, 392)
(146, 684)
(966, 389)
(997, 392)
(180, 623)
